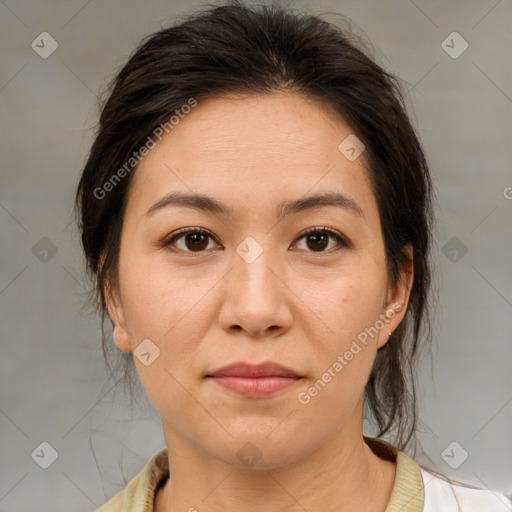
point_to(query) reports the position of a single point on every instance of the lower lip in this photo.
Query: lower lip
(256, 387)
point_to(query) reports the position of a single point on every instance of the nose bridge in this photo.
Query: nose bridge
(255, 294)
(252, 269)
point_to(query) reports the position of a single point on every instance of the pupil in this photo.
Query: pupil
(323, 243)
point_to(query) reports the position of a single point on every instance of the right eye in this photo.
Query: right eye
(193, 240)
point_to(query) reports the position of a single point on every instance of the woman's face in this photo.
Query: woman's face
(255, 288)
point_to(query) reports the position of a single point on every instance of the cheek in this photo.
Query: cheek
(350, 310)
(163, 312)
(154, 303)
(165, 309)
(350, 305)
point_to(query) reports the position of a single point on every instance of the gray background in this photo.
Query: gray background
(54, 386)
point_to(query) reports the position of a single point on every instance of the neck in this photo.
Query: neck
(342, 474)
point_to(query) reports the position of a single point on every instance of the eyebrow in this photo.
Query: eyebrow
(209, 204)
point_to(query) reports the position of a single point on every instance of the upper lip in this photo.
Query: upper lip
(250, 370)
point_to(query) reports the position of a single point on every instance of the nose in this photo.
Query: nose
(256, 298)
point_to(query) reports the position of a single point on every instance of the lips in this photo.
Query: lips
(255, 381)
(254, 371)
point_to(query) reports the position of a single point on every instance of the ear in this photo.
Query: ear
(397, 300)
(116, 315)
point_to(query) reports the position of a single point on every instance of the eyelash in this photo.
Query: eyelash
(314, 230)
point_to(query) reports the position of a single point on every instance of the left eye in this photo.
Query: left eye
(318, 238)
(197, 240)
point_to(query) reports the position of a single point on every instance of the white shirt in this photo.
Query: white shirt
(441, 496)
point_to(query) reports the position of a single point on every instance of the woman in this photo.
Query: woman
(256, 214)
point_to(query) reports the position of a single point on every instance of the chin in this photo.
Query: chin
(258, 451)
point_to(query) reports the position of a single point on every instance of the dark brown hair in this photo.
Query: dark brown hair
(236, 48)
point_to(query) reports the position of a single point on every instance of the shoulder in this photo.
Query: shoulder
(138, 495)
(441, 495)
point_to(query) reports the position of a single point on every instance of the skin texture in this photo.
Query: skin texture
(296, 305)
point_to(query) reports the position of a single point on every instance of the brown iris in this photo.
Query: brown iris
(196, 241)
(320, 244)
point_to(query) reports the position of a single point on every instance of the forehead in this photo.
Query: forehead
(252, 151)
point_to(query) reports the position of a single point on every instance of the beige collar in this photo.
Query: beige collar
(407, 494)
